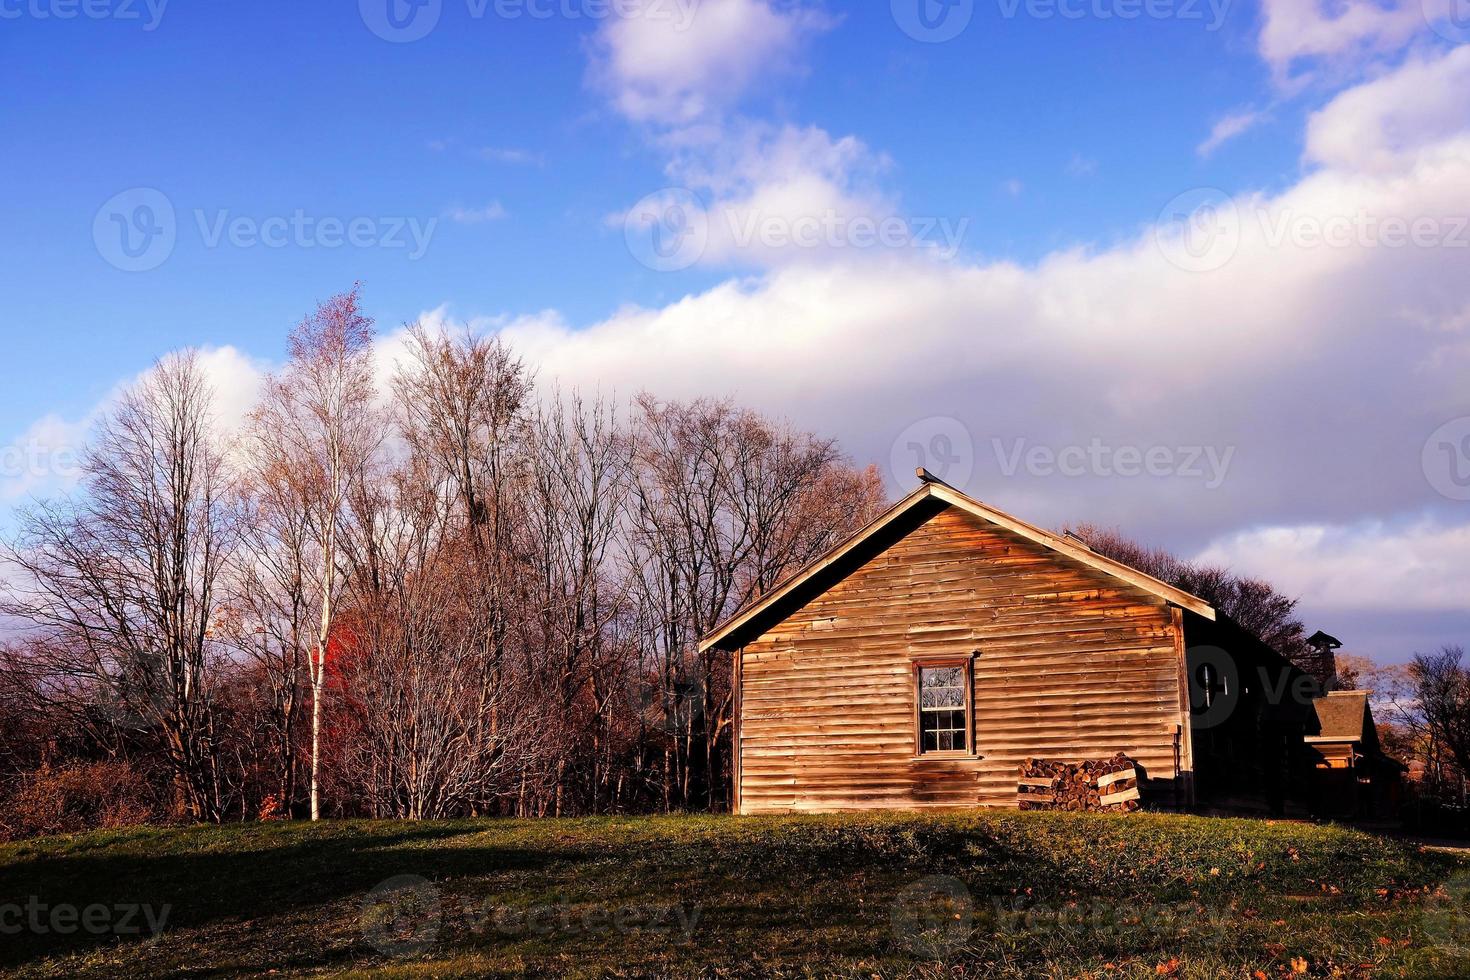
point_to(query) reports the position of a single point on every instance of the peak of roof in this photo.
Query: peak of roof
(931, 488)
(1343, 714)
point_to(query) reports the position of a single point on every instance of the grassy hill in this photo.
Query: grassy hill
(990, 894)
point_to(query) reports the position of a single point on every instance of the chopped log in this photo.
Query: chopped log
(1101, 785)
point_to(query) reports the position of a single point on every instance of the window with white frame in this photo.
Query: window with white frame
(944, 707)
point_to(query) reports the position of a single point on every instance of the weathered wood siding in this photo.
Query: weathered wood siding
(1072, 664)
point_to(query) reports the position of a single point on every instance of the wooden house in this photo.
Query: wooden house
(922, 661)
(1354, 778)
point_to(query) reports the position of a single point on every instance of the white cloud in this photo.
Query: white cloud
(1359, 567)
(1323, 361)
(677, 63)
(784, 193)
(46, 457)
(1227, 128)
(494, 211)
(1335, 31)
(1381, 125)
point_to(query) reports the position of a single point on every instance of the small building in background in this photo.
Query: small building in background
(1354, 779)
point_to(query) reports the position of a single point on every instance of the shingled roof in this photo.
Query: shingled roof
(1343, 715)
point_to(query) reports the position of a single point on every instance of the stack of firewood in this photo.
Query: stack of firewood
(1108, 785)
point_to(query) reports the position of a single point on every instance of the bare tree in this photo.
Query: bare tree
(316, 428)
(430, 735)
(121, 582)
(578, 484)
(1442, 693)
(1252, 603)
(463, 403)
(724, 504)
(270, 614)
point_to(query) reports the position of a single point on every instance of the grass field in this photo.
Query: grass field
(985, 894)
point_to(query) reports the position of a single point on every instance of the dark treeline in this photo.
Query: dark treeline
(454, 592)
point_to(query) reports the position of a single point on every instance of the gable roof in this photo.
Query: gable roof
(936, 496)
(1343, 715)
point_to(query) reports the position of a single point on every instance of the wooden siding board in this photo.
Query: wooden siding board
(1072, 665)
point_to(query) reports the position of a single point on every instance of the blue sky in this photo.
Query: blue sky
(518, 145)
(269, 108)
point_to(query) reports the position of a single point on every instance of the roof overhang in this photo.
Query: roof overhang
(727, 634)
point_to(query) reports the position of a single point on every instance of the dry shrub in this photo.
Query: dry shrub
(75, 797)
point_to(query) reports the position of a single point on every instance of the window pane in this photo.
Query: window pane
(943, 711)
(942, 697)
(942, 677)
